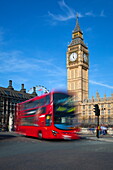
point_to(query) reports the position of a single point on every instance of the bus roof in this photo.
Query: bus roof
(34, 98)
(39, 97)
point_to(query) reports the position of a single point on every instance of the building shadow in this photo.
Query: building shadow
(5, 135)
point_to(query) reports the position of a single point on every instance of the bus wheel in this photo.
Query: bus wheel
(40, 135)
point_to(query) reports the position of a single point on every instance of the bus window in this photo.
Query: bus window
(37, 103)
(48, 120)
(63, 99)
(47, 99)
(31, 104)
(27, 121)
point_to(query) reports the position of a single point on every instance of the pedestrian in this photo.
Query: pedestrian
(104, 130)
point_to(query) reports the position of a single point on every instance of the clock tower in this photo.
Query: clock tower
(77, 65)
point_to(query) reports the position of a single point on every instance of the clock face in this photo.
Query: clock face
(85, 58)
(73, 56)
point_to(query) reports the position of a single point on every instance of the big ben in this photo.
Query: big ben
(77, 65)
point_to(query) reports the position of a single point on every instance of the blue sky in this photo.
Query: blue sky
(34, 36)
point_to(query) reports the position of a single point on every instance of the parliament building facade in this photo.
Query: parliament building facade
(9, 97)
(77, 83)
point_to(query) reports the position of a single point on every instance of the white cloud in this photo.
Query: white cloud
(16, 62)
(69, 12)
(88, 29)
(90, 13)
(94, 68)
(100, 84)
(80, 15)
(102, 14)
(57, 84)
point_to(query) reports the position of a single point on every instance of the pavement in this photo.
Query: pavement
(106, 138)
(86, 136)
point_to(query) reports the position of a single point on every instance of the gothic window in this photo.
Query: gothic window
(108, 104)
(72, 86)
(84, 74)
(102, 119)
(83, 112)
(72, 73)
(89, 106)
(109, 119)
(108, 111)
(84, 85)
(102, 112)
(75, 73)
(95, 119)
(90, 119)
(69, 86)
(83, 106)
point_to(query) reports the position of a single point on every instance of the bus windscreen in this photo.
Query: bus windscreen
(64, 111)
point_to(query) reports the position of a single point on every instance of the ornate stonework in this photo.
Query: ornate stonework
(77, 83)
(77, 65)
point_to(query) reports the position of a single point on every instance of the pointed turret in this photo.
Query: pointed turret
(77, 26)
(77, 33)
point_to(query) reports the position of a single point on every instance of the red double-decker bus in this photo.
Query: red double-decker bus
(50, 116)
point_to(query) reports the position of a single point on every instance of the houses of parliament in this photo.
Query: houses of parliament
(77, 83)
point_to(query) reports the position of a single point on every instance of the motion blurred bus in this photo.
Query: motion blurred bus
(50, 116)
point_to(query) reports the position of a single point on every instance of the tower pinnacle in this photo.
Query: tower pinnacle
(77, 26)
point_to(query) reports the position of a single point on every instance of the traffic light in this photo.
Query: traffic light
(96, 110)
